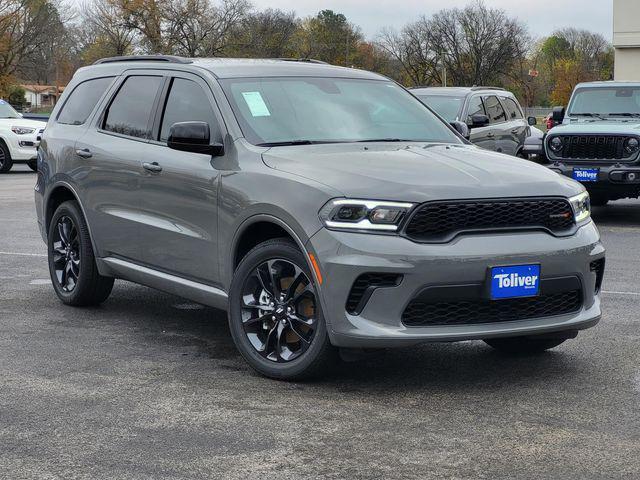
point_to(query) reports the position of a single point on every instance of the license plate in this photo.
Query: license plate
(515, 281)
(586, 174)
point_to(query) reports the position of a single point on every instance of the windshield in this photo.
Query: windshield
(7, 111)
(603, 101)
(299, 110)
(447, 107)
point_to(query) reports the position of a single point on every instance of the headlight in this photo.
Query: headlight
(22, 130)
(632, 145)
(581, 207)
(556, 144)
(364, 214)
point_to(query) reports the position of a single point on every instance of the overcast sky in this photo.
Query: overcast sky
(542, 16)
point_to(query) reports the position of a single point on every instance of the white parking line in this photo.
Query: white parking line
(19, 254)
(622, 293)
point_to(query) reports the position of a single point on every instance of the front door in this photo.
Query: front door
(178, 192)
(483, 137)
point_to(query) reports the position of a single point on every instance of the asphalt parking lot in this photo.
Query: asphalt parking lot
(150, 386)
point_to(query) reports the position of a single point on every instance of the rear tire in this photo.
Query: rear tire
(276, 343)
(5, 158)
(72, 264)
(524, 345)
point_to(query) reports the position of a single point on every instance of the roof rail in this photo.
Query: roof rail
(476, 87)
(144, 58)
(307, 60)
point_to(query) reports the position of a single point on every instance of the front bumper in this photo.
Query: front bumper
(613, 179)
(344, 256)
(23, 147)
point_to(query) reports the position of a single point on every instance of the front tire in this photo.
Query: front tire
(5, 158)
(275, 316)
(33, 165)
(72, 263)
(524, 345)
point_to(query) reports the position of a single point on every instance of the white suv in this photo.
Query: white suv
(18, 138)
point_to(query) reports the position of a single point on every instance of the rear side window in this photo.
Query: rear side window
(82, 101)
(494, 109)
(512, 108)
(476, 107)
(130, 111)
(187, 102)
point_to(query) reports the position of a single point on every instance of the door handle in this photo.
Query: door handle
(515, 131)
(490, 135)
(84, 153)
(152, 167)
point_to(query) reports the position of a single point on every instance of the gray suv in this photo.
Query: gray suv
(493, 115)
(322, 207)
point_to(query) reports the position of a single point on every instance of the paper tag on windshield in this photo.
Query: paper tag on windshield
(256, 104)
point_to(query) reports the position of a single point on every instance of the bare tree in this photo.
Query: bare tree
(102, 32)
(413, 49)
(268, 33)
(198, 28)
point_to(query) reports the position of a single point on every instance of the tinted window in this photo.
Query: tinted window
(186, 102)
(512, 108)
(606, 100)
(317, 109)
(494, 109)
(476, 107)
(130, 110)
(83, 99)
(445, 106)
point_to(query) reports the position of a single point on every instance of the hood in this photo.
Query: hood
(601, 127)
(23, 122)
(419, 172)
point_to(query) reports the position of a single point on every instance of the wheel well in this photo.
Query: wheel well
(254, 235)
(57, 197)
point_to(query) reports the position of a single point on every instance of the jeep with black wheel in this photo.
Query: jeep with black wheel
(597, 141)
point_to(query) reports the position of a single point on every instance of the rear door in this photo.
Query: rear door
(112, 153)
(516, 124)
(181, 197)
(482, 137)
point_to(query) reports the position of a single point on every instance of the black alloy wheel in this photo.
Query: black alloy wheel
(66, 254)
(72, 264)
(279, 310)
(275, 314)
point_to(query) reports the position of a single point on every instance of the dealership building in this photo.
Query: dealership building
(626, 39)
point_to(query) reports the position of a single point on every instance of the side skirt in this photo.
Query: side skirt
(197, 292)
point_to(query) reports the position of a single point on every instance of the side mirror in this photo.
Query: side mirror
(461, 128)
(479, 121)
(532, 121)
(193, 137)
(558, 115)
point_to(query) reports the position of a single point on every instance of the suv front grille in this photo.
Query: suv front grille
(441, 221)
(593, 147)
(468, 312)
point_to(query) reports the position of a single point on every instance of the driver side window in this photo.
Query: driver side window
(187, 102)
(476, 107)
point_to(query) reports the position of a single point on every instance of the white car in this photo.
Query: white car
(19, 138)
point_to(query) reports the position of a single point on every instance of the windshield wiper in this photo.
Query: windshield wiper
(387, 140)
(594, 115)
(625, 114)
(287, 143)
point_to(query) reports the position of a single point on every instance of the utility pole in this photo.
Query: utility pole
(346, 52)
